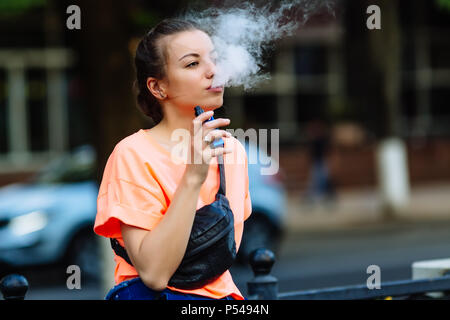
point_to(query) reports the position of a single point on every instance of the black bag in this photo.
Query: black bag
(211, 249)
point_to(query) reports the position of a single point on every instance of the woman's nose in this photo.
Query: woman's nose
(211, 70)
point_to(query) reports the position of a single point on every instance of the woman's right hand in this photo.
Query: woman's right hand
(201, 152)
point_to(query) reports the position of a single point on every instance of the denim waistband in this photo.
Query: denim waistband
(135, 289)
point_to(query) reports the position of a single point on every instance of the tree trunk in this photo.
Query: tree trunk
(374, 69)
(108, 74)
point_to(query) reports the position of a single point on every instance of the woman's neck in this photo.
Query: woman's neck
(172, 121)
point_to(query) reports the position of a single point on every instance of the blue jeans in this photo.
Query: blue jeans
(135, 289)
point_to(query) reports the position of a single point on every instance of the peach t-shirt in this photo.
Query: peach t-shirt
(139, 181)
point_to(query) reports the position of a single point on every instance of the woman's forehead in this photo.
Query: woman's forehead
(186, 42)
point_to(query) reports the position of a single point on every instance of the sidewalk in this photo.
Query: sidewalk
(361, 207)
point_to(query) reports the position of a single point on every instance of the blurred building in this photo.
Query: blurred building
(321, 74)
(42, 114)
(315, 75)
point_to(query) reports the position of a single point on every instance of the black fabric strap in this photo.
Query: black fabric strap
(222, 187)
(120, 251)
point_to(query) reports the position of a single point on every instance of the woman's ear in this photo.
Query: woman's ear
(156, 89)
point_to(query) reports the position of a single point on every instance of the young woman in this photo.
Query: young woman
(147, 201)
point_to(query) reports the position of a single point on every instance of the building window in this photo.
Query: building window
(36, 108)
(33, 106)
(260, 110)
(3, 114)
(310, 60)
(311, 106)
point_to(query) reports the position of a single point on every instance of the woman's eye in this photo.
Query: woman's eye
(192, 64)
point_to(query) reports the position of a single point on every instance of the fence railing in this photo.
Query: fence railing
(264, 286)
(14, 287)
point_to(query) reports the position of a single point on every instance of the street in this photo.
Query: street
(341, 257)
(310, 259)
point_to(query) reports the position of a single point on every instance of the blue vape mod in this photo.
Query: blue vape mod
(216, 143)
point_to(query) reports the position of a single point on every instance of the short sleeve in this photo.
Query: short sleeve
(128, 194)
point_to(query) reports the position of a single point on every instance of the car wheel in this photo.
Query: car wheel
(84, 252)
(258, 233)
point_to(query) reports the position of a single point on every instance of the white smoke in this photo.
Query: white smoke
(242, 35)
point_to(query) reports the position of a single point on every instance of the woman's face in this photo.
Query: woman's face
(190, 71)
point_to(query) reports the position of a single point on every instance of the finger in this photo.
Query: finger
(205, 115)
(217, 151)
(216, 123)
(209, 139)
(207, 129)
(198, 121)
(213, 125)
(216, 134)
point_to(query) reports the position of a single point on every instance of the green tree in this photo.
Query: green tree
(444, 4)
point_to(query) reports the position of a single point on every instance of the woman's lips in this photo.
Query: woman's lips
(215, 89)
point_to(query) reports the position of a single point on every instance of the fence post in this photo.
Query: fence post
(263, 286)
(14, 287)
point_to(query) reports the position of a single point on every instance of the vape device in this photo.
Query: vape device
(216, 143)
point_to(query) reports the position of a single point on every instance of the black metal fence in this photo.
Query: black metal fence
(264, 286)
(14, 287)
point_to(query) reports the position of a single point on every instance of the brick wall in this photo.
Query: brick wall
(356, 167)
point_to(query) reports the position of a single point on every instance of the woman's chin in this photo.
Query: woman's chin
(214, 104)
(210, 105)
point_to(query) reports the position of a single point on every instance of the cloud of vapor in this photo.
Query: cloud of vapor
(242, 34)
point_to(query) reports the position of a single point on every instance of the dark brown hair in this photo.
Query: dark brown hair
(150, 61)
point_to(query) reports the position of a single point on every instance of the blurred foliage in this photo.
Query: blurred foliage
(143, 18)
(9, 8)
(144, 14)
(444, 4)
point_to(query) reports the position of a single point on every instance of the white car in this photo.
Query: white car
(265, 226)
(50, 218)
